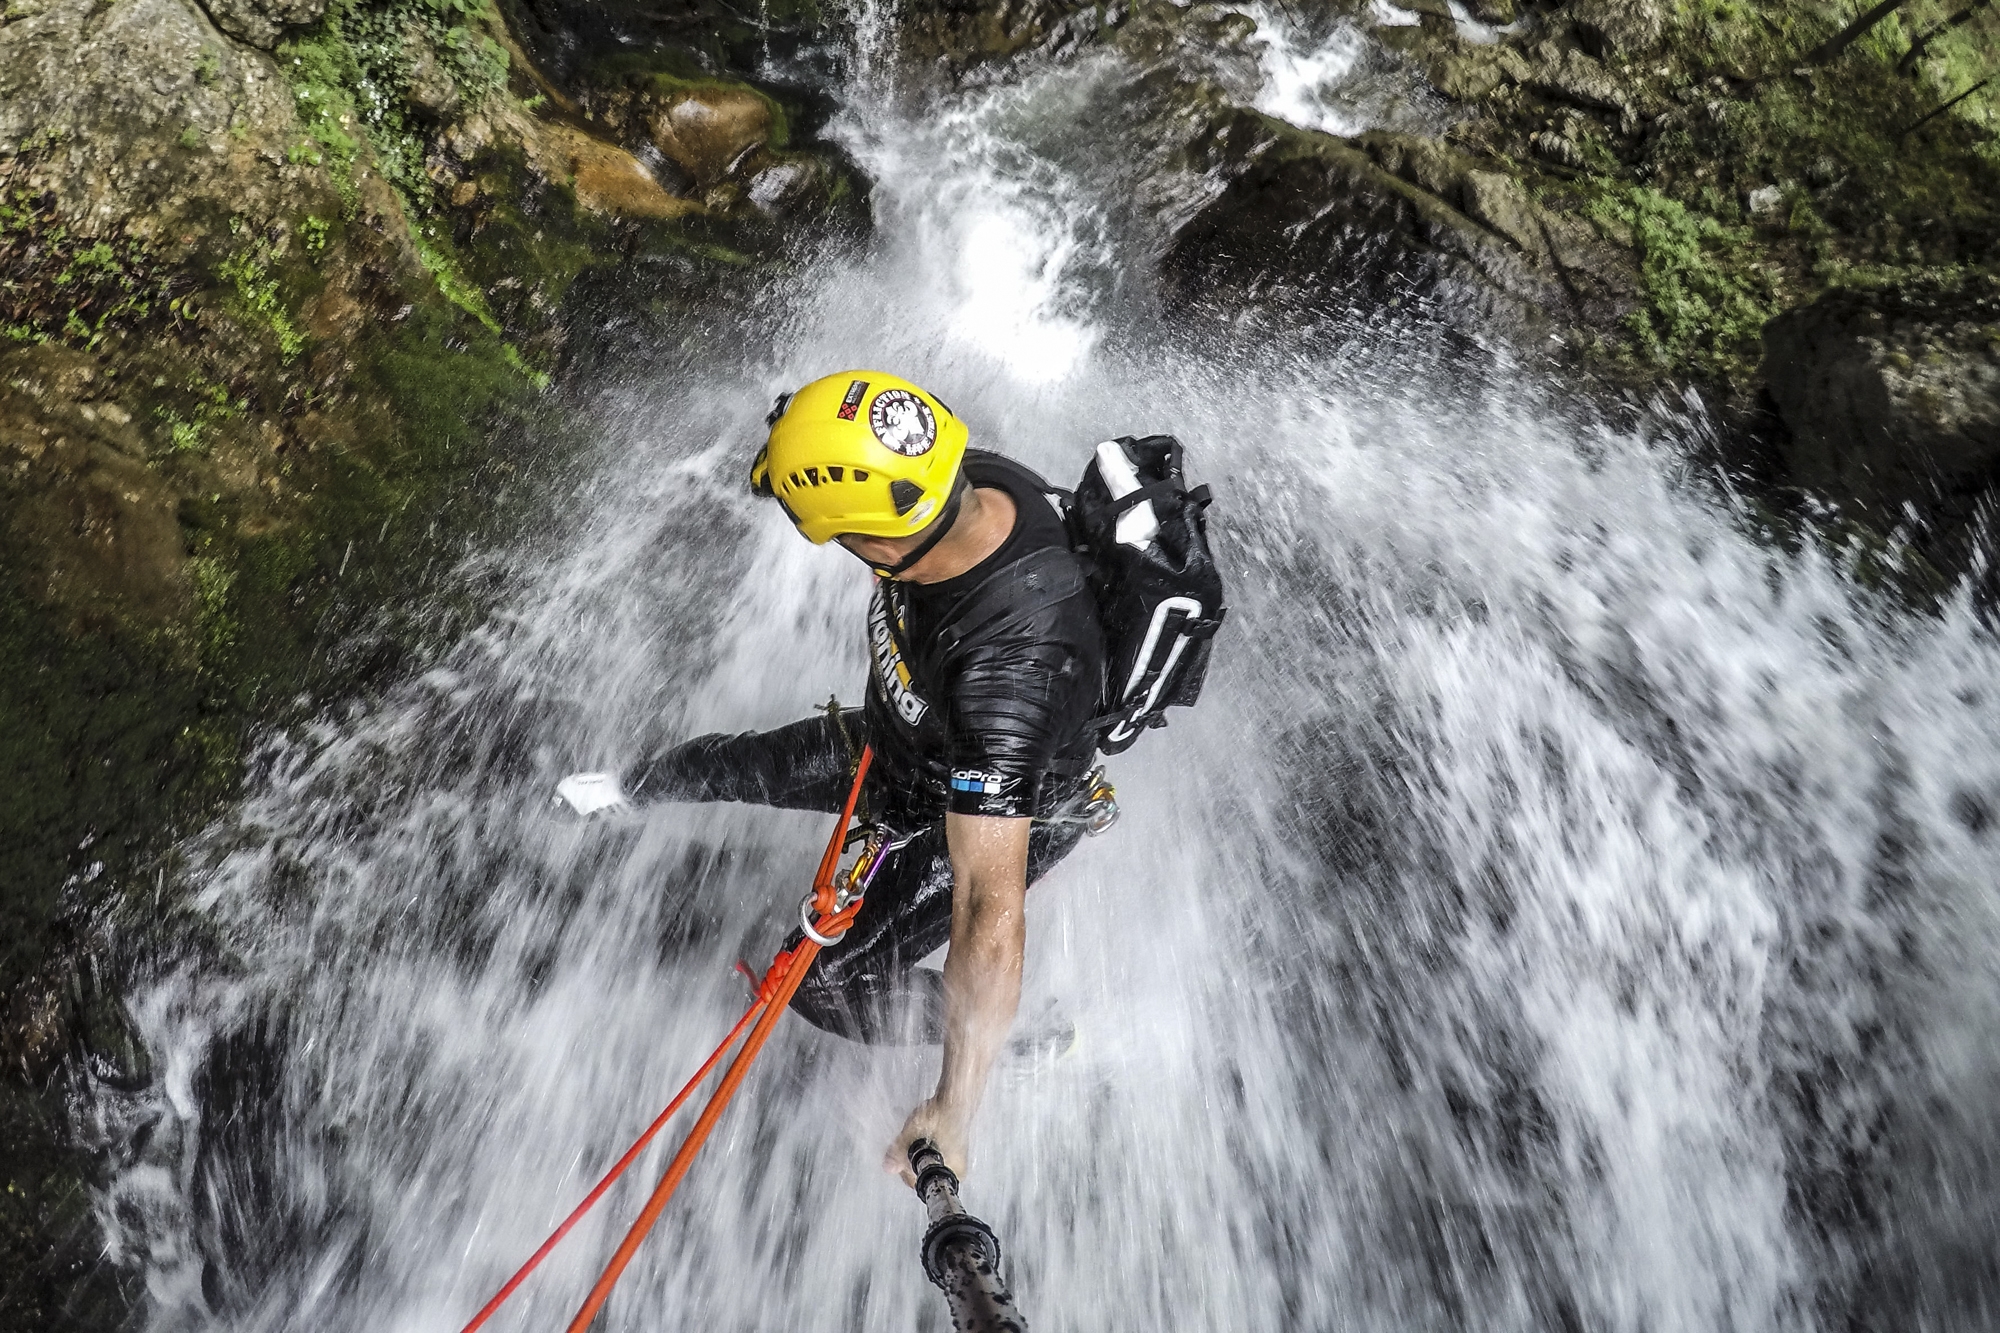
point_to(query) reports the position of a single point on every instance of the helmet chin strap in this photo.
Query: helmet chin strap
(939, 530)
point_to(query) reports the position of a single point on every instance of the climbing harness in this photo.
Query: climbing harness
(836, 900)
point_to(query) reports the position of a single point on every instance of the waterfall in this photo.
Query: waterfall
(1566, 909)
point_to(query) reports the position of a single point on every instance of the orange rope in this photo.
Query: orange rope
(774, 992)
(790, 968)
(631, 1155)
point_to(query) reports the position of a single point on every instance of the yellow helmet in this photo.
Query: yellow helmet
(860, 452)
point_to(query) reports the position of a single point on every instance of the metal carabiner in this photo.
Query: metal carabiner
(1097, 809)
(806, 923)
(853, 885)
(1100, 812)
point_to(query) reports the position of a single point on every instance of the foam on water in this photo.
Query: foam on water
(1562, 911)
(1302, 77)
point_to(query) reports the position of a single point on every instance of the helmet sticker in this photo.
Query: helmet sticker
(850, 403)
(903, 422)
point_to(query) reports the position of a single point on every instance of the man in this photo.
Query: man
(986, 671)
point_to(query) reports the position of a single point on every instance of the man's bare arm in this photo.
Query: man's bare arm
(982, 979)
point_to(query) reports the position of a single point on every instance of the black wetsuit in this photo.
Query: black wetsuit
(981, 694)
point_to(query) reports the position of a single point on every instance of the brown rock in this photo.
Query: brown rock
(1420, 160)
(1497, 199)
(433, 92)
(1468, 74)
(606, 178)
(708, 131)
(1568, 73)
(107, 97)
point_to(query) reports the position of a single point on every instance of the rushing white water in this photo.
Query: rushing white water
(1305, 81)
(1563, 912)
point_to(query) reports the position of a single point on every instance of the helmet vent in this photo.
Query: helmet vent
(860, 475)
(904, 495)
(833, 474)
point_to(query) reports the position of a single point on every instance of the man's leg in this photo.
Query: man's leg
(805, 765)
(868, 987)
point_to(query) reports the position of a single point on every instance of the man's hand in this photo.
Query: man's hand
(934, 1122)
(982, 980)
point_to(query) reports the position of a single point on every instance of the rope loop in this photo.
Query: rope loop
(806, 924)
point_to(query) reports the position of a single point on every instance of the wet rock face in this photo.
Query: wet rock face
(1619, 29)
(707, 131)
(1315, 224)
(262, 22)
(135, 143)
(1892, 397)
(142, 111)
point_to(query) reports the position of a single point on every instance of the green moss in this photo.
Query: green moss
(321, 72)
(513, 357)
(1731, 111)
(438, 260)
(248, 273)
(200, 404)
(520, 246)
(353, 78)
(59, 287)
(213, 578)
(444, 394)
(1706, 301)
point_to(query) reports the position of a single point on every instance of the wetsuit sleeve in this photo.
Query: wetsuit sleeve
(1007, 714)
(806, 765)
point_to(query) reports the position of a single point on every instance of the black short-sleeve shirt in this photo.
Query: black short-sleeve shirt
(982, 688)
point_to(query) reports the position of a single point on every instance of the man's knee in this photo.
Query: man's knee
(901, 1009)
(827, 1006)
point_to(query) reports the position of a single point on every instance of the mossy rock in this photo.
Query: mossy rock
(728, 145)
(1310, 225)
(1891, 394)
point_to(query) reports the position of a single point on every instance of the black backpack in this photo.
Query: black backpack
(1160, 601)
